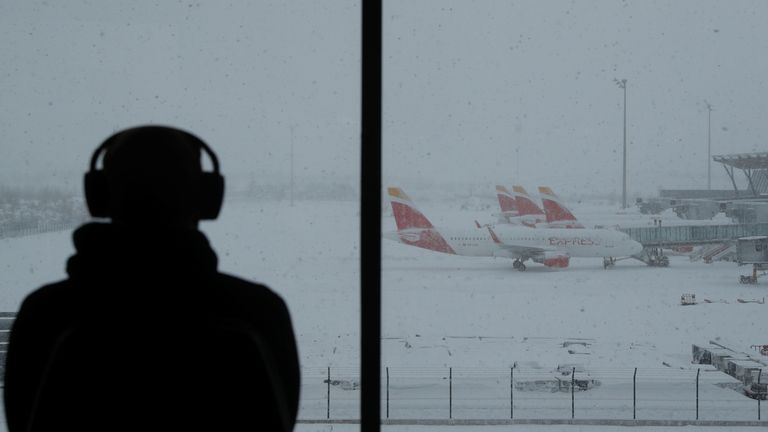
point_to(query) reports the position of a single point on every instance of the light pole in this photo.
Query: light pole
(709, 146)
(292, 127)
(623, 85)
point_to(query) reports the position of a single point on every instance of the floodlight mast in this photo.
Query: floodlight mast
(623, 85)
(292, 127)
(709, 146)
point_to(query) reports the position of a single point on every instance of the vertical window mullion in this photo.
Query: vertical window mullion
(370, 218)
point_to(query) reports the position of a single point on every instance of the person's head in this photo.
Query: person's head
(152, 176)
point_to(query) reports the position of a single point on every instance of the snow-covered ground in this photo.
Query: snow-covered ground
(516, 428)
(476, 316)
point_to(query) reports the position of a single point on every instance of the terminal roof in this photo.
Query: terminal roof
(744, 160)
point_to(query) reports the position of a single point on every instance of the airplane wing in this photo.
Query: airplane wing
(510, 214)
(516, 250)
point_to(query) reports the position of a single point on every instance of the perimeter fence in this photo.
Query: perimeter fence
(460, 393)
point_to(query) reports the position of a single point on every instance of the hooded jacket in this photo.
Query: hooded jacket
(147, 308)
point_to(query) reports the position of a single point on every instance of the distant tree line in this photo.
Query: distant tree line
(29, 210)
(335, 190)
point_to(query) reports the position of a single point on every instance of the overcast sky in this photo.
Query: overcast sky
(475, 91)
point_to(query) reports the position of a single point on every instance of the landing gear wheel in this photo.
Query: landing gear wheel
(518, 265)
(608, 262)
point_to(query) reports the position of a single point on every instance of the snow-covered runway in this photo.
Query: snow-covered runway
(474, 317)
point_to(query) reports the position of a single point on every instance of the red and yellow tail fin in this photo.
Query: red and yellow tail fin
(406, 214)
(554, 207)
(413, 228)
(525, 205)
(506, 199)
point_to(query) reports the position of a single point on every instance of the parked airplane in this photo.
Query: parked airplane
(509, 212)
(518, 208)
(557, 213)
(527, 212)
(551, 247)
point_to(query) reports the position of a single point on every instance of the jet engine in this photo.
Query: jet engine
(554, 259)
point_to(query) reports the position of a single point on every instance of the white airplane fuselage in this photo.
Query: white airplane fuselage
(603, 243)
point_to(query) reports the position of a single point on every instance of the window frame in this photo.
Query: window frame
(370, 216)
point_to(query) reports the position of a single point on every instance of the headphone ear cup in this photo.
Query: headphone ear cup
(211, 195)
(96, 194)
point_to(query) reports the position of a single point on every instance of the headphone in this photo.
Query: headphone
(211, 185)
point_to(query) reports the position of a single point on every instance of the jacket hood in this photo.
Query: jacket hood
(120, 254)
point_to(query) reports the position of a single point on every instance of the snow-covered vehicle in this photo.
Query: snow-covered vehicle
(581, 379)
(344, 384)
(757, 391)
(688, 299)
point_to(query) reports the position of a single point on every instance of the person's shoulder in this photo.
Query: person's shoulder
(51, 291)
(51, 295)
(238, 283)
(235, 297)
(239, 287)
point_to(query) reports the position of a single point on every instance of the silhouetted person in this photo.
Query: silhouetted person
(146, 334)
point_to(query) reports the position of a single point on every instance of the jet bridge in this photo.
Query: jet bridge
(670, 236)
(752, 250)
(655, 239)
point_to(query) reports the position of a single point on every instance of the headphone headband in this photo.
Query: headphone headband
(109, 142)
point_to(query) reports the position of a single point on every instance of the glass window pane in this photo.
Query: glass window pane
(506, 130)
(273, 88)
